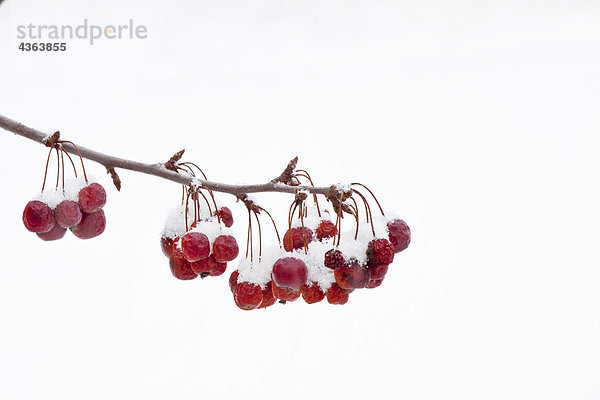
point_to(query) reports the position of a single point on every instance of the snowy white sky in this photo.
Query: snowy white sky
(475, 121)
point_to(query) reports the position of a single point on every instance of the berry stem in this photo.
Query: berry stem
(80, 157)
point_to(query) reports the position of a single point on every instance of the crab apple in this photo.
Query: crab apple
(337, 295)
(312, 293)
(268, 298)
(378, 271)
(92, 198)
(294, 238)
(248, 296)
(56, 233)
(352, 276)
(203, 266)
(334, 259)
(226, 216)
(38, 217)
(326, 229)
(373, 283)
(195, 246)
(91, 225)
(399, 234)
(167, 244)
(289, 273)
(67, 213)
(283, 293)
(380, 251)
(233, 280)
(180, 267)
(218, 268)
(225, 248)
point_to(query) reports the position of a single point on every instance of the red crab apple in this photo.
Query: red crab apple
(180, 267)
(326, 229)
(352, 276)
(195, 246)
(284, 294)
(67, 213)
(312, 293)
(218, 268)
(289, 273)
(378, 271)
(38, 217)
(58, 232)
(294, 238)
(380, 251)
(226, 216)
(233, 280)
(248, 296)
(337, 295)
(399, 234)
(334, 259)
(92, 198)
(373, 283)
(91, 225)
(268, 298)
(225, 248)
(167, 244)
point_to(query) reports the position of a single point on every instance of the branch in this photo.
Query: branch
(111, 162)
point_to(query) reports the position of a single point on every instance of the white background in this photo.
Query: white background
(477, 121)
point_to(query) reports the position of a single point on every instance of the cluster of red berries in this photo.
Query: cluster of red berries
(350, 274)
(84, 217)
(289, 275)
(194, 254)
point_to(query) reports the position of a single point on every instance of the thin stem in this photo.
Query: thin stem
(369, 190)
(80, 157)
(46, 170)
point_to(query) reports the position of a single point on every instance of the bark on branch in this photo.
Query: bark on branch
(158, 169)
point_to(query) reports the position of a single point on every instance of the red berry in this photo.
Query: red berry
(38, 217)
(167, 245)
(203, 266)
(225, 248)
(218, 268)
(233, 280)
(226, 216)
(312, 293)
(56, 233)
(337, 295)
(373, 283)
(180, 267)
(352, 276)
(380, 251)
(334, 259)
(284, 294)
(294, 238)
(399, 234)
(195, 246)
(91, 225)
(268, 298)
(289, 273)
(92, 198)
(248, 296)
(378, 271)
(67, 213)
(326, 230)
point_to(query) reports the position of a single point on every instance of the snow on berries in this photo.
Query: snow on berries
(316, 258)
(198, 232)
(326, 253)
(75, 204)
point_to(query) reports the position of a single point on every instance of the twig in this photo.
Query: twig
(157, 169)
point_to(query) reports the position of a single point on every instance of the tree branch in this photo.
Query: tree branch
(111, 162)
